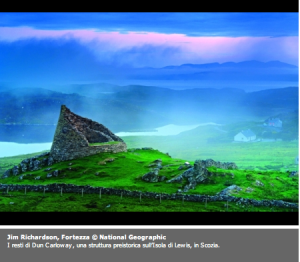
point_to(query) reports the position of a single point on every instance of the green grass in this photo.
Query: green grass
(124, 171)
(193, 144)
(10, 161)
(72, 202)
(277, 185)
(104, 143)
(266, 162)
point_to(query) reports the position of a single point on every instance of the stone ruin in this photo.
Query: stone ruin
(72, 140)
(74, 134)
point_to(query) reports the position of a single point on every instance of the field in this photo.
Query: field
(208, 142)
(72, 202)
(262, 174)
(125, 170)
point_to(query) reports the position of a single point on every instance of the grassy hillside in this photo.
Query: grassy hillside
(10, 161)
(125, 170)
(216, 142)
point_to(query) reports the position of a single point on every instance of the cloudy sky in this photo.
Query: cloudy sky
(31, 40)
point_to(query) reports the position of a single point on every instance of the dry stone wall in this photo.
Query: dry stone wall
(70, 188)
(41, 161)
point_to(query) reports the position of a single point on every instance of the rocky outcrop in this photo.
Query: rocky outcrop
(209, 162)
(153, 176)
(74, 134)
(229, 190)
(7, 173)
(199, 173)
(29, 164)
(293, 173)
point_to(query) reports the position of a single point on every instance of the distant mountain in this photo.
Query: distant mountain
(133, 106)
(249, 75)
(210, 104)
(245, 64)
(41, 106)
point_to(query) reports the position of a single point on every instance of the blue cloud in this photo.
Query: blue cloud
(192, 24)
(47, 60)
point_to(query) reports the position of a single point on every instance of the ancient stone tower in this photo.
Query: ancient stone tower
(75, 134)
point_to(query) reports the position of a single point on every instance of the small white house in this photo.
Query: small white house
(245, 136)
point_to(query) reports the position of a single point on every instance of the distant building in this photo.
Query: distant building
(276, 122)
(245, 136)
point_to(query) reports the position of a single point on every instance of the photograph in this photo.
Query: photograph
(170, 118)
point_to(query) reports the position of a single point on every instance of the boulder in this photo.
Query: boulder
(210, 162)
(151, 176)
(229, 190)
(188, 173)
(7, 173)
(31, 164)
(26, 161)
(156, 163)
(258, 183)
(36, 165)
(23, 166)
(293, 173)
(44, 161)
(15, 170)
(50, 161)
(249, 190)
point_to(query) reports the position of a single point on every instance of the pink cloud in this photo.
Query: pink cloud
(194, 49)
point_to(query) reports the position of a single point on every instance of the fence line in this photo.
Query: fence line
(70, 188)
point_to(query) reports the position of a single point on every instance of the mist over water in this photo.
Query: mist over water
(168, 130)
(13, 149)
(248, 86)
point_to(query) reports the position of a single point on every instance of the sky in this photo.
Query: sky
(39, 48)
(152, 39)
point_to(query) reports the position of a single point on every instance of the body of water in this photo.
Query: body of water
(13, 149)
(168, 130)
